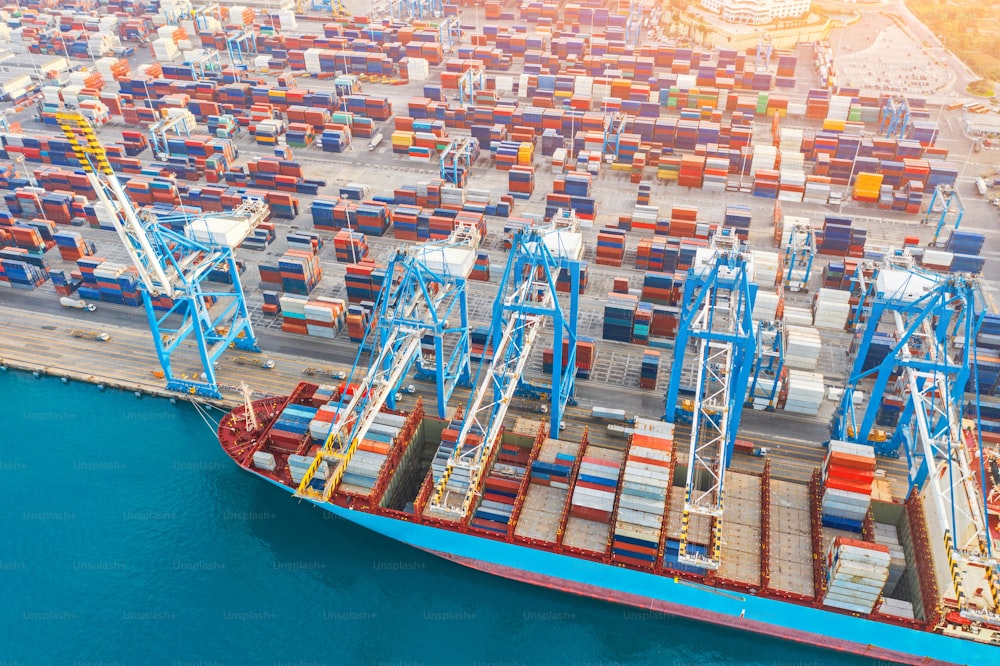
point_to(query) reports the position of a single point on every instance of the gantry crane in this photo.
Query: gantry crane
(405, 11)
(242, 46)
(471, 81)
(950, 204)
(450, 31)
(422, 288)
(457, 159)
(176, 123)
(719, 295)
(934, 320)
(765, 385)
(176, 266)
(765, 48)
(201, 14)
(799, 254)
(895, 117)
(633, 25)
(613, 134)
(526, 299)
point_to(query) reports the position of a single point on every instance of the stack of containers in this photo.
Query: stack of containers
(766, 306)
(856, 574)
(831, 309)
(594, 491)
(848, 474)
(21, 275)
(805, 391)
(300, 271)
(887, 535)
(767, 267)
(371, 453)
(324, 317)
(867, 186)
(649, 369)
(293, 312)
(481, 269)
(641, 323)
(643, 495)
(619, 315)
(358, 319)
(72, 246)
(553, 466)
(499, 495)
(737, 216)
(586, 352)
(802, 347)
(292, 427)
(521, 181)
(364, 281)
(351, 246)
(299, 465)
(272, 304)
(373, 218)
(611, 246)
(322, 423)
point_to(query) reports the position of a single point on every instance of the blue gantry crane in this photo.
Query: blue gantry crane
(932, 320)
(633, 25)
(769, 361)
(718, 301)
(945, 203)
(423, 292)
(405, 11)
(242, 46)
(469, 82)
(450, 31)
(613, 134)
(457, 159)
(176, 266)
(894, 119)
(800, 250)
(765, 48)
(525, 301)
(159, 131)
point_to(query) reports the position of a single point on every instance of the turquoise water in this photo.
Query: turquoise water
(130, 538)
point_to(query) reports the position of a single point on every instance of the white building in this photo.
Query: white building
(755, 12)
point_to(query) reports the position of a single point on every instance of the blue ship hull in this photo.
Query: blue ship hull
(804, 624)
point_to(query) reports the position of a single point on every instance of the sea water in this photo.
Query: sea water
(129, 537)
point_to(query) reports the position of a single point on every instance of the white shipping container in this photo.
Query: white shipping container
(264, 460)
(640, 517)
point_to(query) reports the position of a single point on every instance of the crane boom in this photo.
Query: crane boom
(431, 282)
(175, 265)
(526, 299)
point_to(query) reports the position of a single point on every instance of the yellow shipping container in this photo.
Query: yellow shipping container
(402, 138)
(834, 125)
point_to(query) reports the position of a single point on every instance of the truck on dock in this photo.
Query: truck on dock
(89, 335)
(375, 141)
(749, 448)
(324, 372)
(265, 363)
(77, 303)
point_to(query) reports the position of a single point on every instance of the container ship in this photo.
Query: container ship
(567, 516)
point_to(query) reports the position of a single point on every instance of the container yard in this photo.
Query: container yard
(527, 285)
